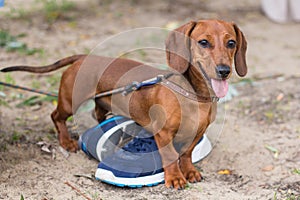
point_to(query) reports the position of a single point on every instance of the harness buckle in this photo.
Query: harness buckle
(215, 99)
(131, 87)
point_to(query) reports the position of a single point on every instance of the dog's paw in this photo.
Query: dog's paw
(177, 182)
(193, 176)
(174, 177)
(70, 145)
(190, 172)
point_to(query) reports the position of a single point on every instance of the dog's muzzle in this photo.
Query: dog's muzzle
(223, 71)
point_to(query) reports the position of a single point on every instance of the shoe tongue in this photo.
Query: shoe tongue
(141, 145)
(220, 87)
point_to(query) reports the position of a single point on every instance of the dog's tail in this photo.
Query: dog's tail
(44, 69)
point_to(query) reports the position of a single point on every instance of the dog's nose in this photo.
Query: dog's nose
(223, 71)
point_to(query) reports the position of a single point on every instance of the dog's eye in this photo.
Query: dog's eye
(204, 43)
(231, 44)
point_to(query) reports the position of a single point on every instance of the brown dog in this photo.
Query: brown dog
(202, 52)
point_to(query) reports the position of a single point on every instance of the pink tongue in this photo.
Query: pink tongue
(220, 87)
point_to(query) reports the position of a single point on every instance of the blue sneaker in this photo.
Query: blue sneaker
(137, 164)
(134, 164)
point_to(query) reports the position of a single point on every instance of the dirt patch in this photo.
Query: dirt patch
(260, 140)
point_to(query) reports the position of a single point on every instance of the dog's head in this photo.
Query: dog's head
(210, 46)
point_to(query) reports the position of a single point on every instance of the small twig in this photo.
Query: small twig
(84, 176)
(77, 190)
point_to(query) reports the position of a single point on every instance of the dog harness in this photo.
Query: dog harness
(190, 95)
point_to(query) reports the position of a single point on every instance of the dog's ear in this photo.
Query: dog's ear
(178, 47)
(240, 55)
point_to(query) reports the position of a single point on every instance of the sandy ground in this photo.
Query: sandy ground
(259, 141)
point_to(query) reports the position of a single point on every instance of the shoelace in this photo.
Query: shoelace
(140, 145)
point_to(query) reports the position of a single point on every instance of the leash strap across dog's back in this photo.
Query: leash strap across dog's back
(134, 86)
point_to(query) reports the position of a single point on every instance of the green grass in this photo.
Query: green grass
(296, 171)
(36, 84)
(36, 100)
(275, 196)
(54, 80)
(3, 103)
(292, 197)
(11, 44)
(55, 9)
(19, 13)
(15, 136)
(8, 79)
(50, 10)
(286, 197)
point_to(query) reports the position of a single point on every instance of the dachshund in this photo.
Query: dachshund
(200, 53)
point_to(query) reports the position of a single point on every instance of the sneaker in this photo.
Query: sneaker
(137, 164)
(112, 134)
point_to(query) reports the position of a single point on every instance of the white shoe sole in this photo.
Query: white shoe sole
(201, 150)
(108, 177)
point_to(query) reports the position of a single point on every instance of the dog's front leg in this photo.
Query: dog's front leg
(185, 162)
(173, 175)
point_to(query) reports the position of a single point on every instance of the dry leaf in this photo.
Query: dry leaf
(225, 172)
(268, 168)
(84, 36)
(45, 148)
(72, 43)
(54, 102)
(41, 143)
(280, 97)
